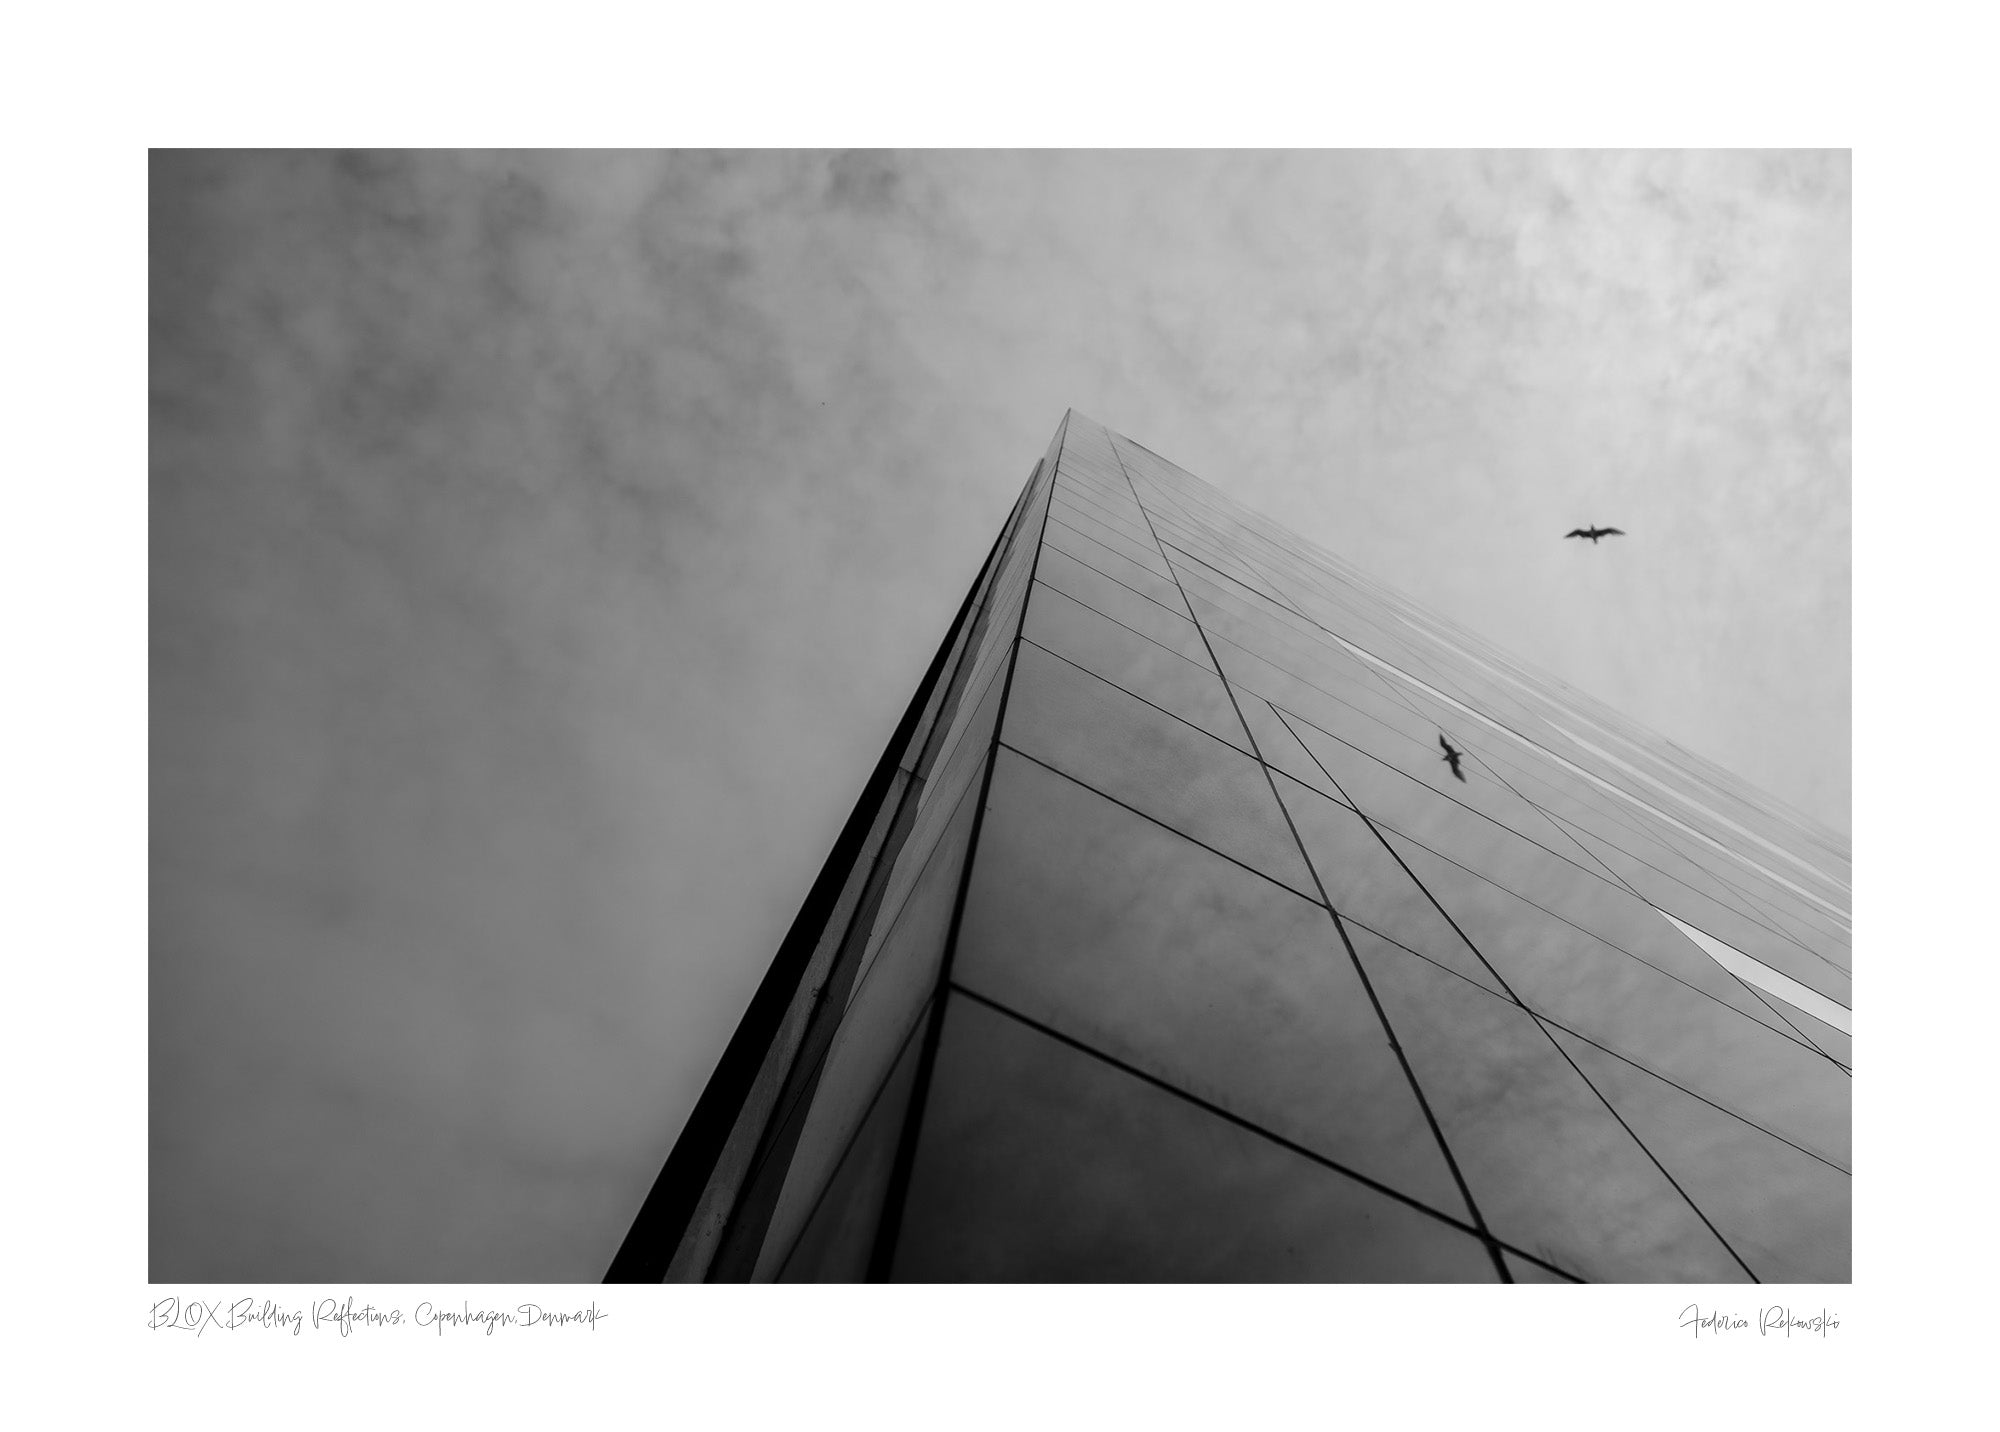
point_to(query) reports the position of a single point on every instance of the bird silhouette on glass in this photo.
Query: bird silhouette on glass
(1593, 533)
(1451, 755)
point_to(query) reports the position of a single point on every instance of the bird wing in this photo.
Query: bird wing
(1445, 744)
(1614, 532)
(1576, 532)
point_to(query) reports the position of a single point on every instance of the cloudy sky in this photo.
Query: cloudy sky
(543, 547)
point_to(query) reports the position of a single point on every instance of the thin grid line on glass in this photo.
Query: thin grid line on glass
(1078, 496)
(1113, 539)
(1099, 676)
(1081, 561)
(1117, 583)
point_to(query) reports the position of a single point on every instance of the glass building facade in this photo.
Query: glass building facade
(1167, 944)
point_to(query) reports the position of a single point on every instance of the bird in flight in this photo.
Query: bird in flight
(1593, 533)
(1451, 755)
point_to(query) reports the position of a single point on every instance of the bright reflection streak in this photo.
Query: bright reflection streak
(1754, 971)
(1678, 795)
(1599, 781)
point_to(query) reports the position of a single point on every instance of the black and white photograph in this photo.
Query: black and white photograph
(1001, 717)
(1202, 706)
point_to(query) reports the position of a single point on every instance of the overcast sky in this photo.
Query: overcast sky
(542, 549)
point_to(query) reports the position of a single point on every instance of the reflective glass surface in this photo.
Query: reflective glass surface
(1121, 604)
(1038, 1162)
(839, 1236)
(1064, 627)
(1116, 565)
(1158, 764)
(1135, 547)
(1549, 1167)
(1558, 916)
(1141, 944)
(883, 1009)
(1369, 888)
(1786, 1213)
(1110, 509)
(1244, 970)
(1738, 1060)
(1277, 745)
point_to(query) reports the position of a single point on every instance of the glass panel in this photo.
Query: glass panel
(1116, 566)
(839, 1236)
(1786, 1213)
(893, 987)
(1067, 628)
(1771, 1078)
(1038, 1162)
(1090, 730)
(971, 731)
(943, 842)
(1317, 703)
(1549, 1167)
(1136, 547)
(1368, 887)
(1240, 590)
(933, 818)
(1114, 510)
(1101, 483)
(1121, 604)
(1140, 943)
